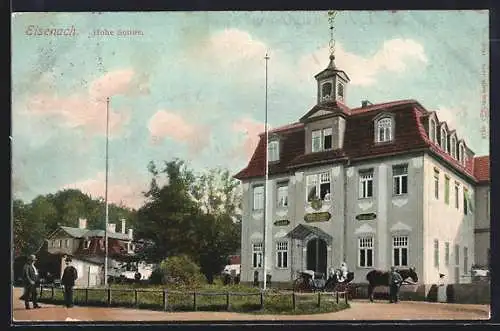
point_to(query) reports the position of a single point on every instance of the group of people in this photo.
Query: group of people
(31, 281)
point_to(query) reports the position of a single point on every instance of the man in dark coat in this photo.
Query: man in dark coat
(395, 281)
(31, 280)
(70, 275)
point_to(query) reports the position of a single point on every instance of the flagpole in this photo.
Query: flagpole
(265, 188)
(106, 199)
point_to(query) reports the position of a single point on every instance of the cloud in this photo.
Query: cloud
(393, 56)
(164, 124)
(122, 189)
(232, 45)
(88, 110)
(251, 130)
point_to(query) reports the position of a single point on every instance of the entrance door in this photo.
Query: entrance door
(316, 255)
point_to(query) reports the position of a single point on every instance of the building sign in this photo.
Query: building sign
(282, 223)
(317, 217)
(366, 217)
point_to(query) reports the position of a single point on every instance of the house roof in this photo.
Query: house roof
(81, 233)
(482, 168)
(410, 135)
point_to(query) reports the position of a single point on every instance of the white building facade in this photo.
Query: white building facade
(376, 186)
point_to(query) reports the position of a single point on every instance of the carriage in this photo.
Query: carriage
(312, 281)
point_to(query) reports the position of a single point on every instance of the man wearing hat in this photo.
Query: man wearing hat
(395, 281)
(31, 280)
(70, 275)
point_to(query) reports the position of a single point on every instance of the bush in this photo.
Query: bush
(179, 271)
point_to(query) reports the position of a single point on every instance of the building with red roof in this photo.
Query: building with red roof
(380, 185)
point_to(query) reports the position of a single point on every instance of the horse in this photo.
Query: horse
(381, 278)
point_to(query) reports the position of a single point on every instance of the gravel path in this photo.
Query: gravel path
(360, 310)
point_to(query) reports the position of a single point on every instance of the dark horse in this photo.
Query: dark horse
(381, 278)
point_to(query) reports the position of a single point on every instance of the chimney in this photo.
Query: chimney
(365, 103)
(131, 234)
(123, 225)
(82, 223)
(112, 227)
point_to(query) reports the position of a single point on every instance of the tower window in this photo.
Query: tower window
(340, 91)
(326, 91)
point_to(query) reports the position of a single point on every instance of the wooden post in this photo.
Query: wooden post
(346, 295)
(319, 299)
(227, 301)
(109, 296)
(165, 299)
(86, 295)
(194, 301)
(135, 298)
(293, 300)
(337, 294)
(52, 293)
(261, 299)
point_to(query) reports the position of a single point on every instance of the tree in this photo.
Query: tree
(28, 232)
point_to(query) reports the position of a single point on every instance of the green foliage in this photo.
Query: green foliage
(180, 271)
(275, 302)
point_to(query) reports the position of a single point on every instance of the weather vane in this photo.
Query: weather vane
(331, 19)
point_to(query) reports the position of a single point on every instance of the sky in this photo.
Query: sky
(191, 85)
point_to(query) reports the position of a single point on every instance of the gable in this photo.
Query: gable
(320, 112)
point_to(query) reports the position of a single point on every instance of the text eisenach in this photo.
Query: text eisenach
(35, 30)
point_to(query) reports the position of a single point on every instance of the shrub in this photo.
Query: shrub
(178, 271)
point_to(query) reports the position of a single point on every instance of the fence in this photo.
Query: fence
(170, 300)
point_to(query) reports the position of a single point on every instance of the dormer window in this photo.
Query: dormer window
(322, 140)
(274, 151)
(326, 91)
(461, 154)
(453, 142)
(444, 139)
(432, 130)
(384, 130)
(340, 91)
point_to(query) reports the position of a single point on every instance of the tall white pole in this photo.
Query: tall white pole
(106, 199)
(265, 189)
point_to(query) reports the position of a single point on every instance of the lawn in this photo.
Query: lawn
(237, 298)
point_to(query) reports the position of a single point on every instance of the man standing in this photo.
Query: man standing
(70, 275)
(395, 281)
(31, 281)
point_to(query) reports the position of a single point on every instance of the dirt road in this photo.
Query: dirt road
(360, 310)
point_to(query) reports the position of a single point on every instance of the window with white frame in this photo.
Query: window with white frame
(444, 139)
(400, 251)
(366, 183)
(436, 183)
(274, 152)
(466, 260)
(447, 254)
(400, 179)
(365, 246)
(322, 139)
(86, 244)
(457, 195)
(59, 243)
(258, 197)
(453, 142)
(384, 130)
(466, 201)
(66, 243)
(461, 154)
(447, 190)
(432, 130)
(318, 186)
(282, 254)
(436, 253)
(282, 195)
(257, 255)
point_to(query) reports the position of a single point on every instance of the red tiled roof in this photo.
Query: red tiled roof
(482, 168)
(359, 143)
